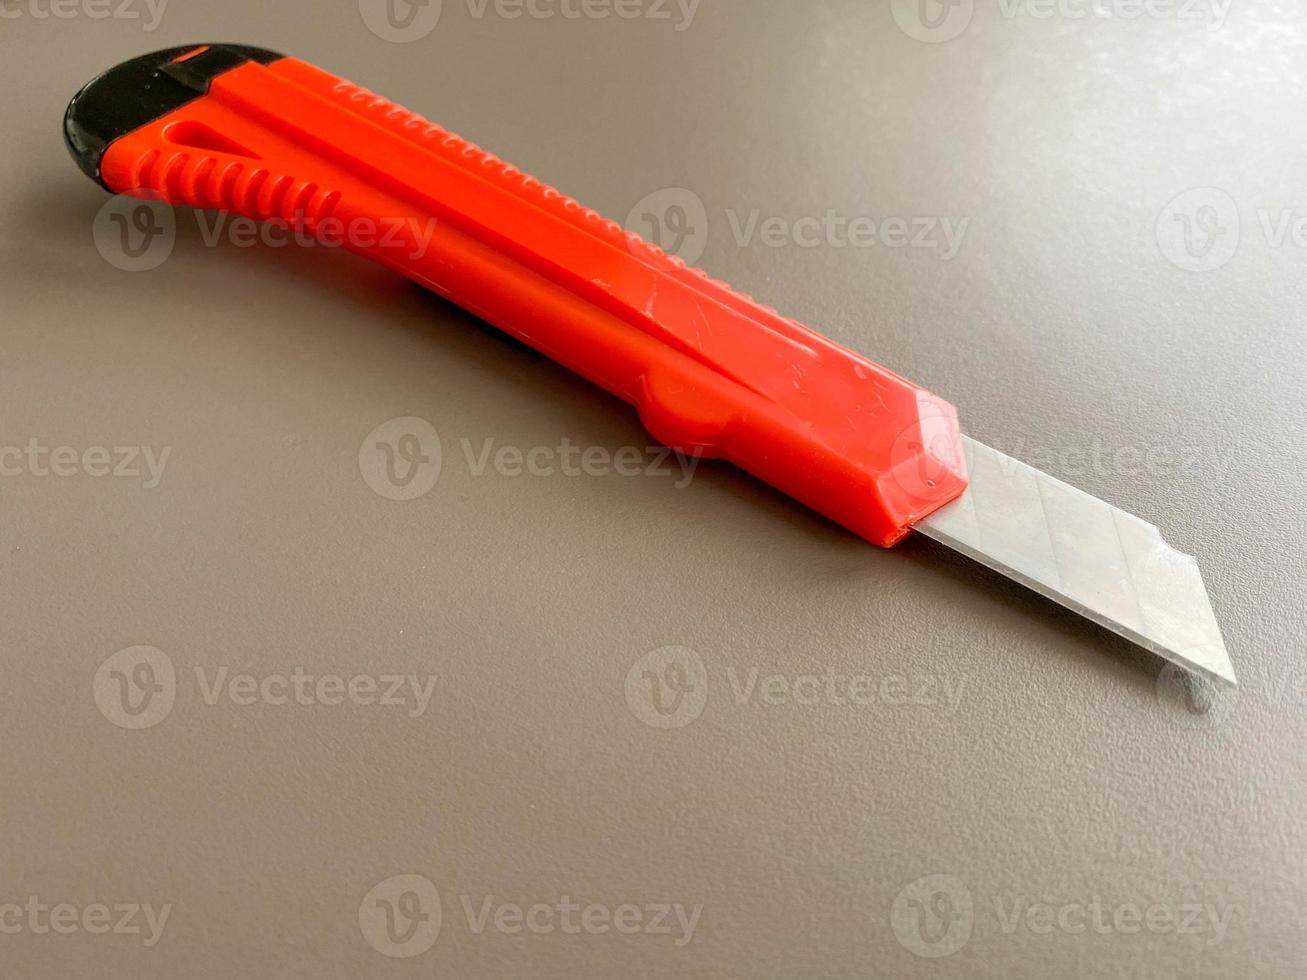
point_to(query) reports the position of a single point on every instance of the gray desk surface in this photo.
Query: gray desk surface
(860, 720)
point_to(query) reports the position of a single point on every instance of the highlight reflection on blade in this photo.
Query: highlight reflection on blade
(1082, 552)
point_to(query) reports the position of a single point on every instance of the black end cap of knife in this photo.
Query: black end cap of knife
(137, 92)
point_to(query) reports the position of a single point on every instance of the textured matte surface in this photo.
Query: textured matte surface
(931, 719)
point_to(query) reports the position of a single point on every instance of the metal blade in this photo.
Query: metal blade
(1087, 555)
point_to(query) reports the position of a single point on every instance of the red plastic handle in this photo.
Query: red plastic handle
(710, 370)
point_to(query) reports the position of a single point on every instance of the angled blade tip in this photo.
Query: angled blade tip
(1082, 552)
